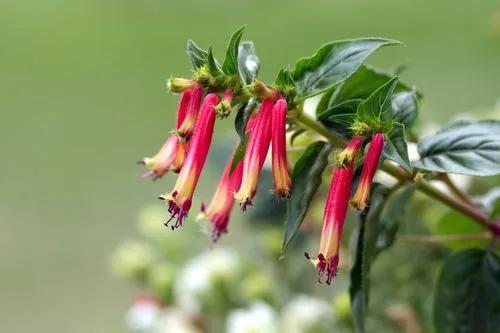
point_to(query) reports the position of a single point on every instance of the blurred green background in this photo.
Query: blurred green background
(82, 97)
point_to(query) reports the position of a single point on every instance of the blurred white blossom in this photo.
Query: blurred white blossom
(304, 314)
(196, 280)
(142, 314)
(257, 318)
(172, 320)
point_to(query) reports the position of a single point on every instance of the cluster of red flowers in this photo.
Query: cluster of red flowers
(186, 150)
(337, 203)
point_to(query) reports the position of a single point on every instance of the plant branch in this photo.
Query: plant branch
(445, 179)
(424, 186)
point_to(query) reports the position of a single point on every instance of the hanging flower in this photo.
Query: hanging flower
(170, 157)
(281, 174)
(336, 207)
(255, 154)
(370, 164)
(219, 210)
(179, 200)
(173, 152)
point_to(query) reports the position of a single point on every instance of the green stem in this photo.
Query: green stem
(421, 184)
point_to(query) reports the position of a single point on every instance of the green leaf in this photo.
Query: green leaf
(467, 297)
(363, 243)
(197, 55)
(471, 148)
(239, 153)
(377, 107)
(358, 87)
(404, 107)
(340, 116)
(391, 215)
(306, 178)
(346, 107)
(248, 62)
(213, 65)
(362, 84)
(284, 79)
(491, 201)
(230, 65)
(244, 112)
(455, 223)
(333, 63)
(396, 148)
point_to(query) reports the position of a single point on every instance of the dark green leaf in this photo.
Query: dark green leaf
(244, 112)
(377, 107)
(390, 217)
(467, 297)
(363, 243)
(239, 154)
(405, 107)
(333, 63)
(248, 62)
(471, 148)
(395, 147)
(197, 55)
(230, 65)
(306, 178)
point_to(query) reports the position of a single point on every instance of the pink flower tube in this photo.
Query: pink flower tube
(362, 195)
(281, 174)
(337, 204)
(173, 152)
(179, 200)
(255, 154)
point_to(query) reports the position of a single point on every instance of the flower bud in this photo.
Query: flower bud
(179, 200)
(178, 85)
(362, 195)
(281, 174)
(223, 109)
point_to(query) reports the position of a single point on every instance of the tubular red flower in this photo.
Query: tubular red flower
(185, 129)
(337, 204)
(281, 174)
(173, 152)
(164, 160)
(255, 154)
(362, 195)
(179, 200)
(219, 210)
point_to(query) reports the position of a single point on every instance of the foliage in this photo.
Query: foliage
(359, 102)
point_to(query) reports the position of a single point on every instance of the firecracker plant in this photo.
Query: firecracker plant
(363, 120)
